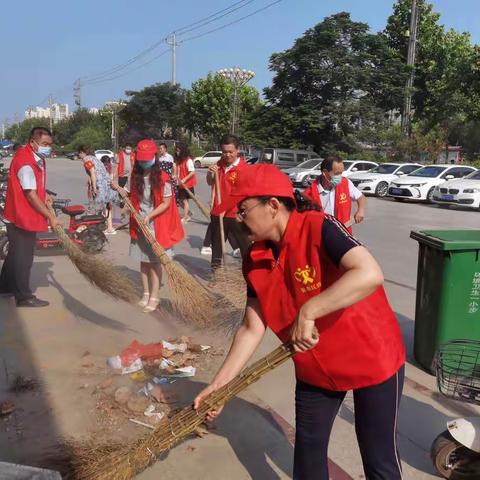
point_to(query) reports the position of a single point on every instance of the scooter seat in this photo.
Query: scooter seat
(92, 218)
(73, 210)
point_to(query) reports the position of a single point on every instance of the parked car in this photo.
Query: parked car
(207, 159)
(377, 180)
(351, 166)
(285, 158)
(420, 184)
(299, 175)
(465, 192)
(101, 153)
(72, 155)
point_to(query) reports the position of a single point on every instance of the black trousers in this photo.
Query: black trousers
(376, 413)
(233, 233)
(15, 276)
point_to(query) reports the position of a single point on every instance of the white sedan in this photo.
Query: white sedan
(101, 153)
(420, 184)
(299, 175)
(350, 166)
(207, 159)
(464, 192)
(376, 181)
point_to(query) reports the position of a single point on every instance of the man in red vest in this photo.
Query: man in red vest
(125, 161)
(228, 169)
(335, 193)
(26, 214)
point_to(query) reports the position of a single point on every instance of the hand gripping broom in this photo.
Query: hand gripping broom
(189, 298)
(124, 462)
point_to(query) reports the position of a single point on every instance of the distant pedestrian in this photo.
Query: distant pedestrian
(124, 165)
(185, 174)
(99, 192)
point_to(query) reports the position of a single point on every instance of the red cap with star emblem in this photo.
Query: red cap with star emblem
(258, 181)
(146, 150)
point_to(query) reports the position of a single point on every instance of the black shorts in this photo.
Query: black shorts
(183, 195)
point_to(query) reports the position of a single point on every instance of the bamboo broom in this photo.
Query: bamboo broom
(198, 202)
(189, 298)
(97, 270)
(124, 462)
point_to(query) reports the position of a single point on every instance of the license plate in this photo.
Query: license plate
(396, 191)
(447, 197)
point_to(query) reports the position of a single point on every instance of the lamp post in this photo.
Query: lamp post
(238, 78)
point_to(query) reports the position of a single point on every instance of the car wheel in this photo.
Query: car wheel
(382, 189)
(430, 195)
(305, 183)
(197, 164)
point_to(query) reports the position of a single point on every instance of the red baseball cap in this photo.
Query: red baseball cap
(146, 150)
(262, 180)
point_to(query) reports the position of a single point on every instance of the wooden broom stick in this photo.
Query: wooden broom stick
(220, 218)
(198, 202)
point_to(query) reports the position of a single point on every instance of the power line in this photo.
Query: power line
(231, 23)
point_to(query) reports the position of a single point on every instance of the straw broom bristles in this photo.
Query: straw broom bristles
(96, 270)
(189, 298)
(108, 463)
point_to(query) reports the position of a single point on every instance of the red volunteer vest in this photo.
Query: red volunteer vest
(359, 346)
(343, 201)
(17, 208)
(183, 172)
(168, 226)
(227, 181)
(121, 162)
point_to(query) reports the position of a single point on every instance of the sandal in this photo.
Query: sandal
(152, 305)
(144, 301)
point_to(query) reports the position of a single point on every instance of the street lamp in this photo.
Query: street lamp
(238, 78)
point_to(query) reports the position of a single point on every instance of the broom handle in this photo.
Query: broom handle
(197, 201)
(219, 201)
(158, 250)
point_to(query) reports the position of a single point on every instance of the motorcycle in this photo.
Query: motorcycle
(456, 451)
(86, 230)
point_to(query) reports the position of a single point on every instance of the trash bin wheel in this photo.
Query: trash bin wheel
(454, 461)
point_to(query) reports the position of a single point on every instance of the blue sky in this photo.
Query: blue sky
(46, 48)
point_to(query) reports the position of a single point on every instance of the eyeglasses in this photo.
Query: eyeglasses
(243, 213)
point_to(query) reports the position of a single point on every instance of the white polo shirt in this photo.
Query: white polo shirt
(327, 197)
(26, 177)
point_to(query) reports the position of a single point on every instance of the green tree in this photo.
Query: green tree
(337, 78)
(154, 112)
(208, 107)
(19, 132)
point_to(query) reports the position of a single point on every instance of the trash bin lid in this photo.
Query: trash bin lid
(448, 239)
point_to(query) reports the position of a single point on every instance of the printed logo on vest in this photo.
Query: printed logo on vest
(343, 198)
(306, 277)
(232, 178)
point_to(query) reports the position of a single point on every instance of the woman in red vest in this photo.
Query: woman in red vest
(151, 195)
(315, 286)
(184, 171)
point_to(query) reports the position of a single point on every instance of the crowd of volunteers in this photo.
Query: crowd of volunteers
(308, 279)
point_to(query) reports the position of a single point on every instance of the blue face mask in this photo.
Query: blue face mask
(335, 180)
(44, 151)
(147, 165)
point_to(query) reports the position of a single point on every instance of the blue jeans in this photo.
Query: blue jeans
(376, 413)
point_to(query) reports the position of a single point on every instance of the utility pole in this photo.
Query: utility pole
(412, 44)
(173, 43)
(50, 110)
(77, 93)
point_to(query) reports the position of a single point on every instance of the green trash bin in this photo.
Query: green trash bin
(448, 290)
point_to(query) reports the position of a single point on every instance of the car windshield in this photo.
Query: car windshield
(308, 164)
(428, 172)
(385, 168)
(473, 176)
(347, 164)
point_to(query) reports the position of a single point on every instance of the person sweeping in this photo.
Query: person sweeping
(151, 196)
(185, 173)
(317, 288)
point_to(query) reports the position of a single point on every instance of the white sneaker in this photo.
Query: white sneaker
(206, 251)
(236, 253)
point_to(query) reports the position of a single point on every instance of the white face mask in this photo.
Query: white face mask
(128, 151)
